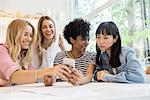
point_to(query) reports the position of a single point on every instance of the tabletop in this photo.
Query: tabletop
(66, 91)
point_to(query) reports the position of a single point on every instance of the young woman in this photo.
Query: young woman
(77, 34)
(48, 43)
(114, 62)
(16, 56)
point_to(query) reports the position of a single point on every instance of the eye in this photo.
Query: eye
(105, 37)
(31, 35)
(50, 26)
(98, 36)
(43, 27)
(26, 34)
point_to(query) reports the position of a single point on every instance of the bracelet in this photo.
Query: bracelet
(35, 74)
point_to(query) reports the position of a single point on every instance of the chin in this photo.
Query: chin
(25, 47)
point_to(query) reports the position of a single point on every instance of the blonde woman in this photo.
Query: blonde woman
(48, 43)
(16, 56)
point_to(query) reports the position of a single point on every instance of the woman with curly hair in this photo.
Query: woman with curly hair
(77, 35)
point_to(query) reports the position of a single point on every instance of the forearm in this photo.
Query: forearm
(24, 76)
(29, 76)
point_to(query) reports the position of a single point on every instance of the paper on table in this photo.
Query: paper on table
(63, 90)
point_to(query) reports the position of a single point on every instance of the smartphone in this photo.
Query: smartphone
(70, 62)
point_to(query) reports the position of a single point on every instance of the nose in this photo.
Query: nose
(29, 38)
(48, 28)
(101, 40)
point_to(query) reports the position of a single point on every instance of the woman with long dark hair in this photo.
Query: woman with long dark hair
(114, 62)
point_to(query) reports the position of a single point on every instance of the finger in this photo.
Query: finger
(63, 71)
(74, 77)
(62, 76)
(48, 81)
(72, 81)
(60, 66)
(78, 73)
(66, 68)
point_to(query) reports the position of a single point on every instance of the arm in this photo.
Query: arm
(77, 77)
(89, 73)
(148, 70)
(132, 71)
(30, 76)
(61, 42)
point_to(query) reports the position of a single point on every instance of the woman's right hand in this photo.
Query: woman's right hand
(61, 71)
(4, 82)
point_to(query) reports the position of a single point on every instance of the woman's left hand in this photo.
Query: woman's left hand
(4, 82)
(101, 74)
(77, 78)
(49, 80)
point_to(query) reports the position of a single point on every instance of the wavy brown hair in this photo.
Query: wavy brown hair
(40, 37)
(14, 32)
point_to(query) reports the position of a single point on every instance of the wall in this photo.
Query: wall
(58, 11)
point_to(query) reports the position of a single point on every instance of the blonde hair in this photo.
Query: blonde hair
(40, 37)
(14, 32)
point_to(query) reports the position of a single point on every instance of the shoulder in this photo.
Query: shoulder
(90, 54)
(61, 53)
(3, 48)
(126, 50)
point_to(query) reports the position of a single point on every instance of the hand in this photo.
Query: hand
(49, 80)
(101, 74)
(4, 82)
(77, 78)
(62, 71)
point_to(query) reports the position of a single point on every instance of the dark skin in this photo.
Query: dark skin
(72, 77)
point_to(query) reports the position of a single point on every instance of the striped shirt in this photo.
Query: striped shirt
(81, 63)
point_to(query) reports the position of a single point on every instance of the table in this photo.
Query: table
(66, 91)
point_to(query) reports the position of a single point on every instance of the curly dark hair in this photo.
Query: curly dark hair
(78, 27)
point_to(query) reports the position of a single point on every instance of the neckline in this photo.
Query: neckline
(76, 58)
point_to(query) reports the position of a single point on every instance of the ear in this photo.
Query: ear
(71, 40)
(115, 39)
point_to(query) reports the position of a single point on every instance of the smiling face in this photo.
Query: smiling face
(48, 29)
(105, 42)
(26, 37)
(80, 44)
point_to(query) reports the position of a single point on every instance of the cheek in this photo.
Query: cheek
(109, 44)
(97, 42)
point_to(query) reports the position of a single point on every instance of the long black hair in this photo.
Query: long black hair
(110, 28)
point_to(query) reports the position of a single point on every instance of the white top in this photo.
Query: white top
(48, 55)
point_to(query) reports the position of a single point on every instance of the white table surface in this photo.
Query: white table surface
(65, 91)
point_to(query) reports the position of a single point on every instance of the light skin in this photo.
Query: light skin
(26, 37)
(30, 76)
(104, 42)
(48, 31)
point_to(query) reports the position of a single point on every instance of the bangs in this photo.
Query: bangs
(105, 31)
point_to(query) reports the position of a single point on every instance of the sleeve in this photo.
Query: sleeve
(7, 66)
(91, 57)
(58, 58)
(133, 72)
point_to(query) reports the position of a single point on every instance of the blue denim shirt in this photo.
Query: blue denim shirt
(130, 71)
